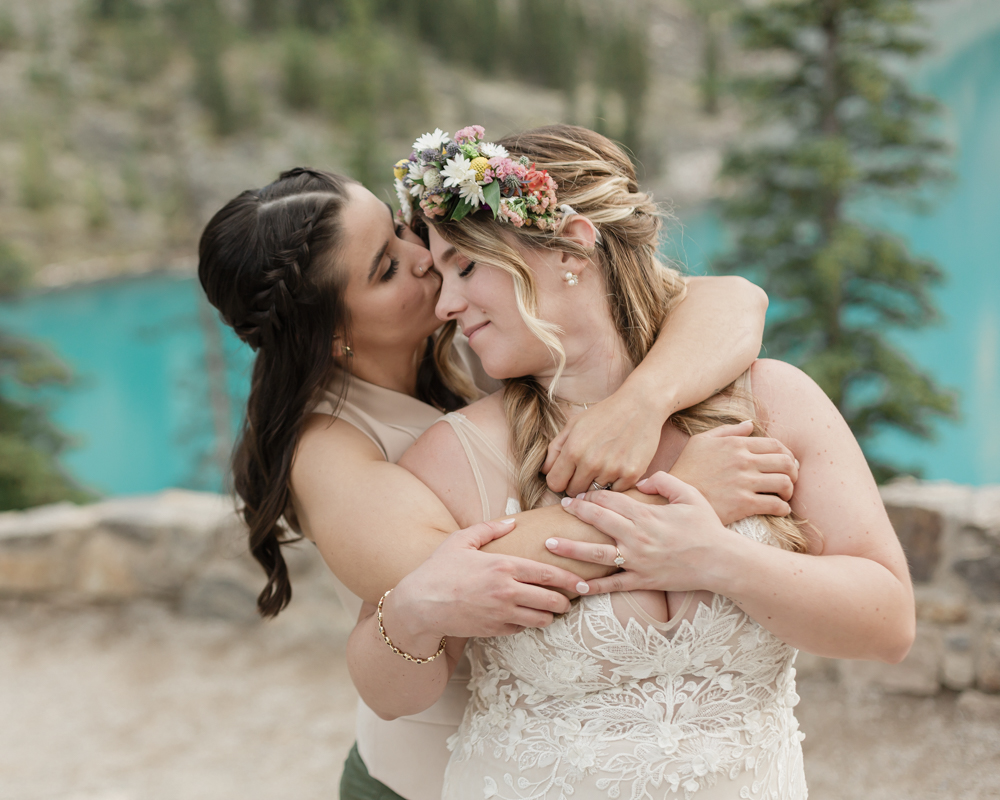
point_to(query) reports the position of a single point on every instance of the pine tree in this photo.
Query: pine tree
(713, 16)
(839, 127)
(30, 474)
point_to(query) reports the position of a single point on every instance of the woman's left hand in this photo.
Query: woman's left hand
(664, 546)
(611, 442)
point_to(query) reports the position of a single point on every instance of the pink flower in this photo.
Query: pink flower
(511, 216)
(470, 134)
(433, 205)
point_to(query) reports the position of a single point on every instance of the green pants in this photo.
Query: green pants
(357, 784)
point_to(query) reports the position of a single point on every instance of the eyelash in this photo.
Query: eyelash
(393, 267)
(400, 227)
(465, 273)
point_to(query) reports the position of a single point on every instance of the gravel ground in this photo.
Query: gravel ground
(136, 703)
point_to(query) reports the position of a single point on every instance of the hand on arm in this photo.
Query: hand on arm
(375, 522)
(706, 342)
(852, 598)
(740, 475)
(458, 592)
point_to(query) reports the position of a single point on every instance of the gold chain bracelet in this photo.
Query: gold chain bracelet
(396, 650)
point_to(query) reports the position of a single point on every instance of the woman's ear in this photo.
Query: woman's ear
(581, 230)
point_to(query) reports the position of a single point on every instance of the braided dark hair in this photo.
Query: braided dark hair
(266, 262)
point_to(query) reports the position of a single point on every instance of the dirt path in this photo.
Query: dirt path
(138, 704)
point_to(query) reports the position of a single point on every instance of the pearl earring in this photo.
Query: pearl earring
(571, 278)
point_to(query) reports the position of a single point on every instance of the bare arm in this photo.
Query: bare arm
(851, 598)
(710, 339)
(375, 522)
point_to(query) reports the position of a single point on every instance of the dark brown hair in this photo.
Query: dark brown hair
(267, 262)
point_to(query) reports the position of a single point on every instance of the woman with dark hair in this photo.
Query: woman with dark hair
(337, 300)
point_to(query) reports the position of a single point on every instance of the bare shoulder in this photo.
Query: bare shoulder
(792, 404)
(439, 460)
(487, 415)
(327, 443)
(439, 447)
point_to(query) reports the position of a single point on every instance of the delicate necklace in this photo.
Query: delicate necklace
(572, 403)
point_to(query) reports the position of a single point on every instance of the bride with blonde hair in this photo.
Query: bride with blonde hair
(549, 253)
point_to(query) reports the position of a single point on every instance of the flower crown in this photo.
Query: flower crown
(451, 178)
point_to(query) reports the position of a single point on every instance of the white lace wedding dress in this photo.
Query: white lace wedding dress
(609, 703)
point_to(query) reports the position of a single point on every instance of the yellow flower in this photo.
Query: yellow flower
(401, 168)
(480, 165)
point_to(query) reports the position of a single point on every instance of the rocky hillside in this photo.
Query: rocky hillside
(120, 134)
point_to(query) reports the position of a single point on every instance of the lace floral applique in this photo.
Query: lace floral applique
(592, 708)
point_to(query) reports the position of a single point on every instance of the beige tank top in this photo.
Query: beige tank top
(408, 754)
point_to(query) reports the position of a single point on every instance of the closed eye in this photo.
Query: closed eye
(465, 273)
(393, 269)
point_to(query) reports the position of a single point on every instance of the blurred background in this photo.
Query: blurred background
(843, 154)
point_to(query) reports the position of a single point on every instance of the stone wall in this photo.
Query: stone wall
(951, 535)
(187, 550)
(184, 549)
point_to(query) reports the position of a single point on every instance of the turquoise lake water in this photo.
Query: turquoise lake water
(142, 408)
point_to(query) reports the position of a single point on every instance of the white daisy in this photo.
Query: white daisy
(471, 190)
(490, 150)
(416, 171)
(431, 141)
(457, 171)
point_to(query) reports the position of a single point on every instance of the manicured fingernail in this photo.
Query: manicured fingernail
(796, 463)
(508, 521)
(582, 588)
(640, 483)
(581, 496)
(565, 501)
(552, 544)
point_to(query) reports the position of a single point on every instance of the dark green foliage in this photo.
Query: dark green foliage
(117, 9)
(9, 36)
(547, 43)
(301, 79)
(837, 128)
(713, 16)
(624, 68)
(205, 29)
(318, 15)
(266, 15)
(29, 445)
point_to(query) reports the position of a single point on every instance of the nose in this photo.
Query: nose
(450, 302)
(423, 262)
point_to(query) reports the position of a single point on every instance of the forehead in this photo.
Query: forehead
(367, 224)
(440, 248)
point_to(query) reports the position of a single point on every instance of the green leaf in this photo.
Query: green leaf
(461, 210)
(492, 193)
